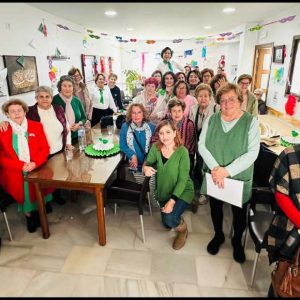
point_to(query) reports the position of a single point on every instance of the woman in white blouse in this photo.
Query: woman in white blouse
(102, 100)
(168, 65)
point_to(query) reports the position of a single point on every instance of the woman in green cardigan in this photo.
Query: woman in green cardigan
(169, 159)
(72, 106)
(229, 145)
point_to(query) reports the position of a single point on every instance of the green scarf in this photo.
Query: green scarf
(169, 65)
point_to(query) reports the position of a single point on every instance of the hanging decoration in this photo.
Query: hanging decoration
(194, 63)
(143, 61)
(177, 41)
(57, 52)
(63, 27)
(203, 52)
(110, 64)
(283, 20)
(188, 52)
(32, 44)
(21, 61)
(150, 42)
(221, 63)
(102, 64)
(43, 29)
(290, 105)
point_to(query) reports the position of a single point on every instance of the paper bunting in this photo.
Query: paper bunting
(89, 31)
(133, 40)
(94, 36)
(255, 28)
(63, 27)
(188, 52)
(203, 52)
(194, 63)
(57, 52)
(177, 41)
(200, 38)
(43, 29)
(32, 44)
(118, 37)
(225, 34)
(150, 42)
(105, 34)
(290, 18)
(21, 61)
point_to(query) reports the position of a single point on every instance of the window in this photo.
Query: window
(293, 83)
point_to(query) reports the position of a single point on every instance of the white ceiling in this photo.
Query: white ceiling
(163, 20)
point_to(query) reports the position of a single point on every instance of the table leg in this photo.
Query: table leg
(100, 216)
(42, 211)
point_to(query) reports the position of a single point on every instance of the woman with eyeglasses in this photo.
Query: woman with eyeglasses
(249, 100)
(23, 147)
(229, 144)
(80, 90)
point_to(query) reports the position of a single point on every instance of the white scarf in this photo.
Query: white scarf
(69, 109)
(20, 131)
(130, 137)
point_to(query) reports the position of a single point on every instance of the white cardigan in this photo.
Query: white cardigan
(165, 67)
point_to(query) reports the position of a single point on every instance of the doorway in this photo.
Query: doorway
(262, 67)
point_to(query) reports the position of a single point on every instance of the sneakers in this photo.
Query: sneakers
(182, 234)
(203, 199)
(238, 251)
(214, 245)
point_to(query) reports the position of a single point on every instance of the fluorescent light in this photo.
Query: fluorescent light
(110, 13)
(129, 29)
(207, 27)
(228, 10)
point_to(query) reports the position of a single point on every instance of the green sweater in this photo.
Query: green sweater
(77, 108)
(225, 147)
(172, 178)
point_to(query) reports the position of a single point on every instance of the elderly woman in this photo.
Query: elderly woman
(115, 90)
(193, 79)
(154, 105)
(216, 82)
(158, 76)
(103, 101)
(205, 107)
(169, 160)
(187, 70)
(249, 101)
(71, 104)
(262, 107)
(229, 145)
(168, 65)
(80, 90)
(23, 148)
(181, 91)
(207, 75)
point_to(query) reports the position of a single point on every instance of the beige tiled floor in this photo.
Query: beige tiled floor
(71, 262)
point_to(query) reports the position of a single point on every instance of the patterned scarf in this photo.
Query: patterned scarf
(21, 132)
(130, 137)
(169, 65)
(69, 110)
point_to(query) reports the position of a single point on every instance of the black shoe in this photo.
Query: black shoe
(238, 251)
(31, 224)
(194, 206)
(214, 245)
(59, 200)
(49, 208)
(36, 217)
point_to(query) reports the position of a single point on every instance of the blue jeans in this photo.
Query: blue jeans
(172, 219)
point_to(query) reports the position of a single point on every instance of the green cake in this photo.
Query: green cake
(102, 148)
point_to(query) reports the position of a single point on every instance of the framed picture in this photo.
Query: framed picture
(278, 54)
(88, 67)
(21, 79)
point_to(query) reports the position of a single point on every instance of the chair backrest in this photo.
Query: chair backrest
(5, 199)
(263, 166)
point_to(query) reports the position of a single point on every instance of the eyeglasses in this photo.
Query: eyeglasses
(17, 111)
(229, 100)
(76, 76)
(244, 83)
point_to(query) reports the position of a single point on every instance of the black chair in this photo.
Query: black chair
(5, 200)
(121, 190)
(262, 204)
(260, 215)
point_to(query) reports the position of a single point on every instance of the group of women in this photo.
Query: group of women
(176, 121)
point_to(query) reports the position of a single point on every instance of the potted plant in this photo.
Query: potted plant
(132, 77)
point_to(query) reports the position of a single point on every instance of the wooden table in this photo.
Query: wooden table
(81, 173)
(280, 125)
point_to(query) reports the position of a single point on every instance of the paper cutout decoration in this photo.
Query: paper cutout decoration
(21, 61)
(188, 52)
(32, 44)
(290, 105)
(194, 63)
(221, 63)
(143, 61)
(203, 52)
(43, 29)
(57, 52)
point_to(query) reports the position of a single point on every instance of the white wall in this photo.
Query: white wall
(281, 34)
(18, 26)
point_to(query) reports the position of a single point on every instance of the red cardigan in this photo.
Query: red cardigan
(11, 175)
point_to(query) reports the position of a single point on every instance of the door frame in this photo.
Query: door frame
(257, 47)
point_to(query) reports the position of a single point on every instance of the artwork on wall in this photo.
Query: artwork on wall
(88, 67)
(278, 54)
(22, 74)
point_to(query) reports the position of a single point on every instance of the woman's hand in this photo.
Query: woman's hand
(75, 127)
(222, 81)
(69, 147)
(168, 207)
(29, 166)
(218, 174)
(3, 126)
(133, 162)
(149, 171)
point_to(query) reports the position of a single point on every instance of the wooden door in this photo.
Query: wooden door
(262, 67)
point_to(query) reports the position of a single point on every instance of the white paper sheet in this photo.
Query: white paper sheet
(232, 192)
(264, 81)
(267, 62)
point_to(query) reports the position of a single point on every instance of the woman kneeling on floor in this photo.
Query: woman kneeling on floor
(169, 159)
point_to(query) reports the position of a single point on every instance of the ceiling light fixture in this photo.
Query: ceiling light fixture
(110, 13)
(228, 10)
(207, 27)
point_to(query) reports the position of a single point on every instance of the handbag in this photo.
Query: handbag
(286, 277)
